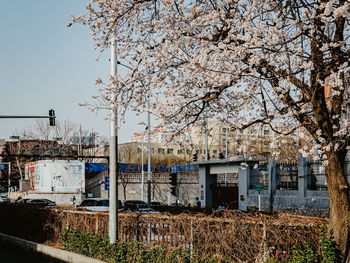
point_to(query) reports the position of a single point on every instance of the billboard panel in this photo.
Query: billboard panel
(56, 176)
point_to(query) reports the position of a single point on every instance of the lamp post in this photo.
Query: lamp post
(113, 154)
(206, 140)
(142, 170)
(149, 158)
(149, 142)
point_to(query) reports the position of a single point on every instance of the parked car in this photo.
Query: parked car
(134, 204)
(148, 211)
(22, 201)
(4, 199)
(176, 204)
(41, 202)
(156, 204)
(97, 204)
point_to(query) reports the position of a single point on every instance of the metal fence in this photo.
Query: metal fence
(317, 177)
(288, 178)
(239, 236)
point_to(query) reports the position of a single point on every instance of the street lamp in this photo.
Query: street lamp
(142, 163)
(113, 154)
(149, 141)
(149, 158)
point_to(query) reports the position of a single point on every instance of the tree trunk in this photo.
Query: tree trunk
(339, 218)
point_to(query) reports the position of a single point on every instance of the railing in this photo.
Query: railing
(288, 179)
(233, 234)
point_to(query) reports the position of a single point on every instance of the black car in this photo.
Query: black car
(41, 202)
(176, 205)
(22, 201)
(134, 204)
(156, 204)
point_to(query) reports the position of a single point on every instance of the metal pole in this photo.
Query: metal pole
(25, 117)
(149, 157)
(226, 152)
(259, 196)
(177, 188)
(206, 140)
(142, 171)
(226, 145)
(113, 153)
(80, 142)
(9, 182)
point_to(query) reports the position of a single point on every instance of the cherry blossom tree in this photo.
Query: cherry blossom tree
(242, 62)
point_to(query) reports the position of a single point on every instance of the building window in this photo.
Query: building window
(161, 150)
(224, 130)
(266, 132)
(253, 131)
(180, 151)
(170, 151)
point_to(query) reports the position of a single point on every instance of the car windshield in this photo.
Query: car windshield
(95, 203)
(103, 203)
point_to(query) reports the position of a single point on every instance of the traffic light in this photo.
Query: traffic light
(173, 179)
(52, 117)
(195, 157)
(173, 183)
(173, 190)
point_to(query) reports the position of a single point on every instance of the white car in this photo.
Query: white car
(96, 204)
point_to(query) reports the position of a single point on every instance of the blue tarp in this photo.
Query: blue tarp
(184, 168)
(96, 167)
(132, 168)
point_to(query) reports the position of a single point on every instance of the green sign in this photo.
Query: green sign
(259, 186)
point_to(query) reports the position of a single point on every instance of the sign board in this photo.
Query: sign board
(106, 182)
(2, 167)
(56, 175)
(259, 186)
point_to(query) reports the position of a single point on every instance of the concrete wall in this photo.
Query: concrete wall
(188, 191)
(302, 198)
(59, 198)
(271, 197)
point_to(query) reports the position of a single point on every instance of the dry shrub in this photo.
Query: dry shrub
(240, 236)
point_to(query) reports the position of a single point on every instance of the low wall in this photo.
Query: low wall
(314, 203)
(60, 198)
(51, 252)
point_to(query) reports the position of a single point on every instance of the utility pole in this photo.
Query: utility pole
(226, 151)
(113, 153)
(206, 140)
(80, 150)
(149, 157)
(142, 170)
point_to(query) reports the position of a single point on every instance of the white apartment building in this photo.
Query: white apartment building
(254, 141)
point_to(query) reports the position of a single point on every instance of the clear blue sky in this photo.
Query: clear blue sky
(44, 65)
